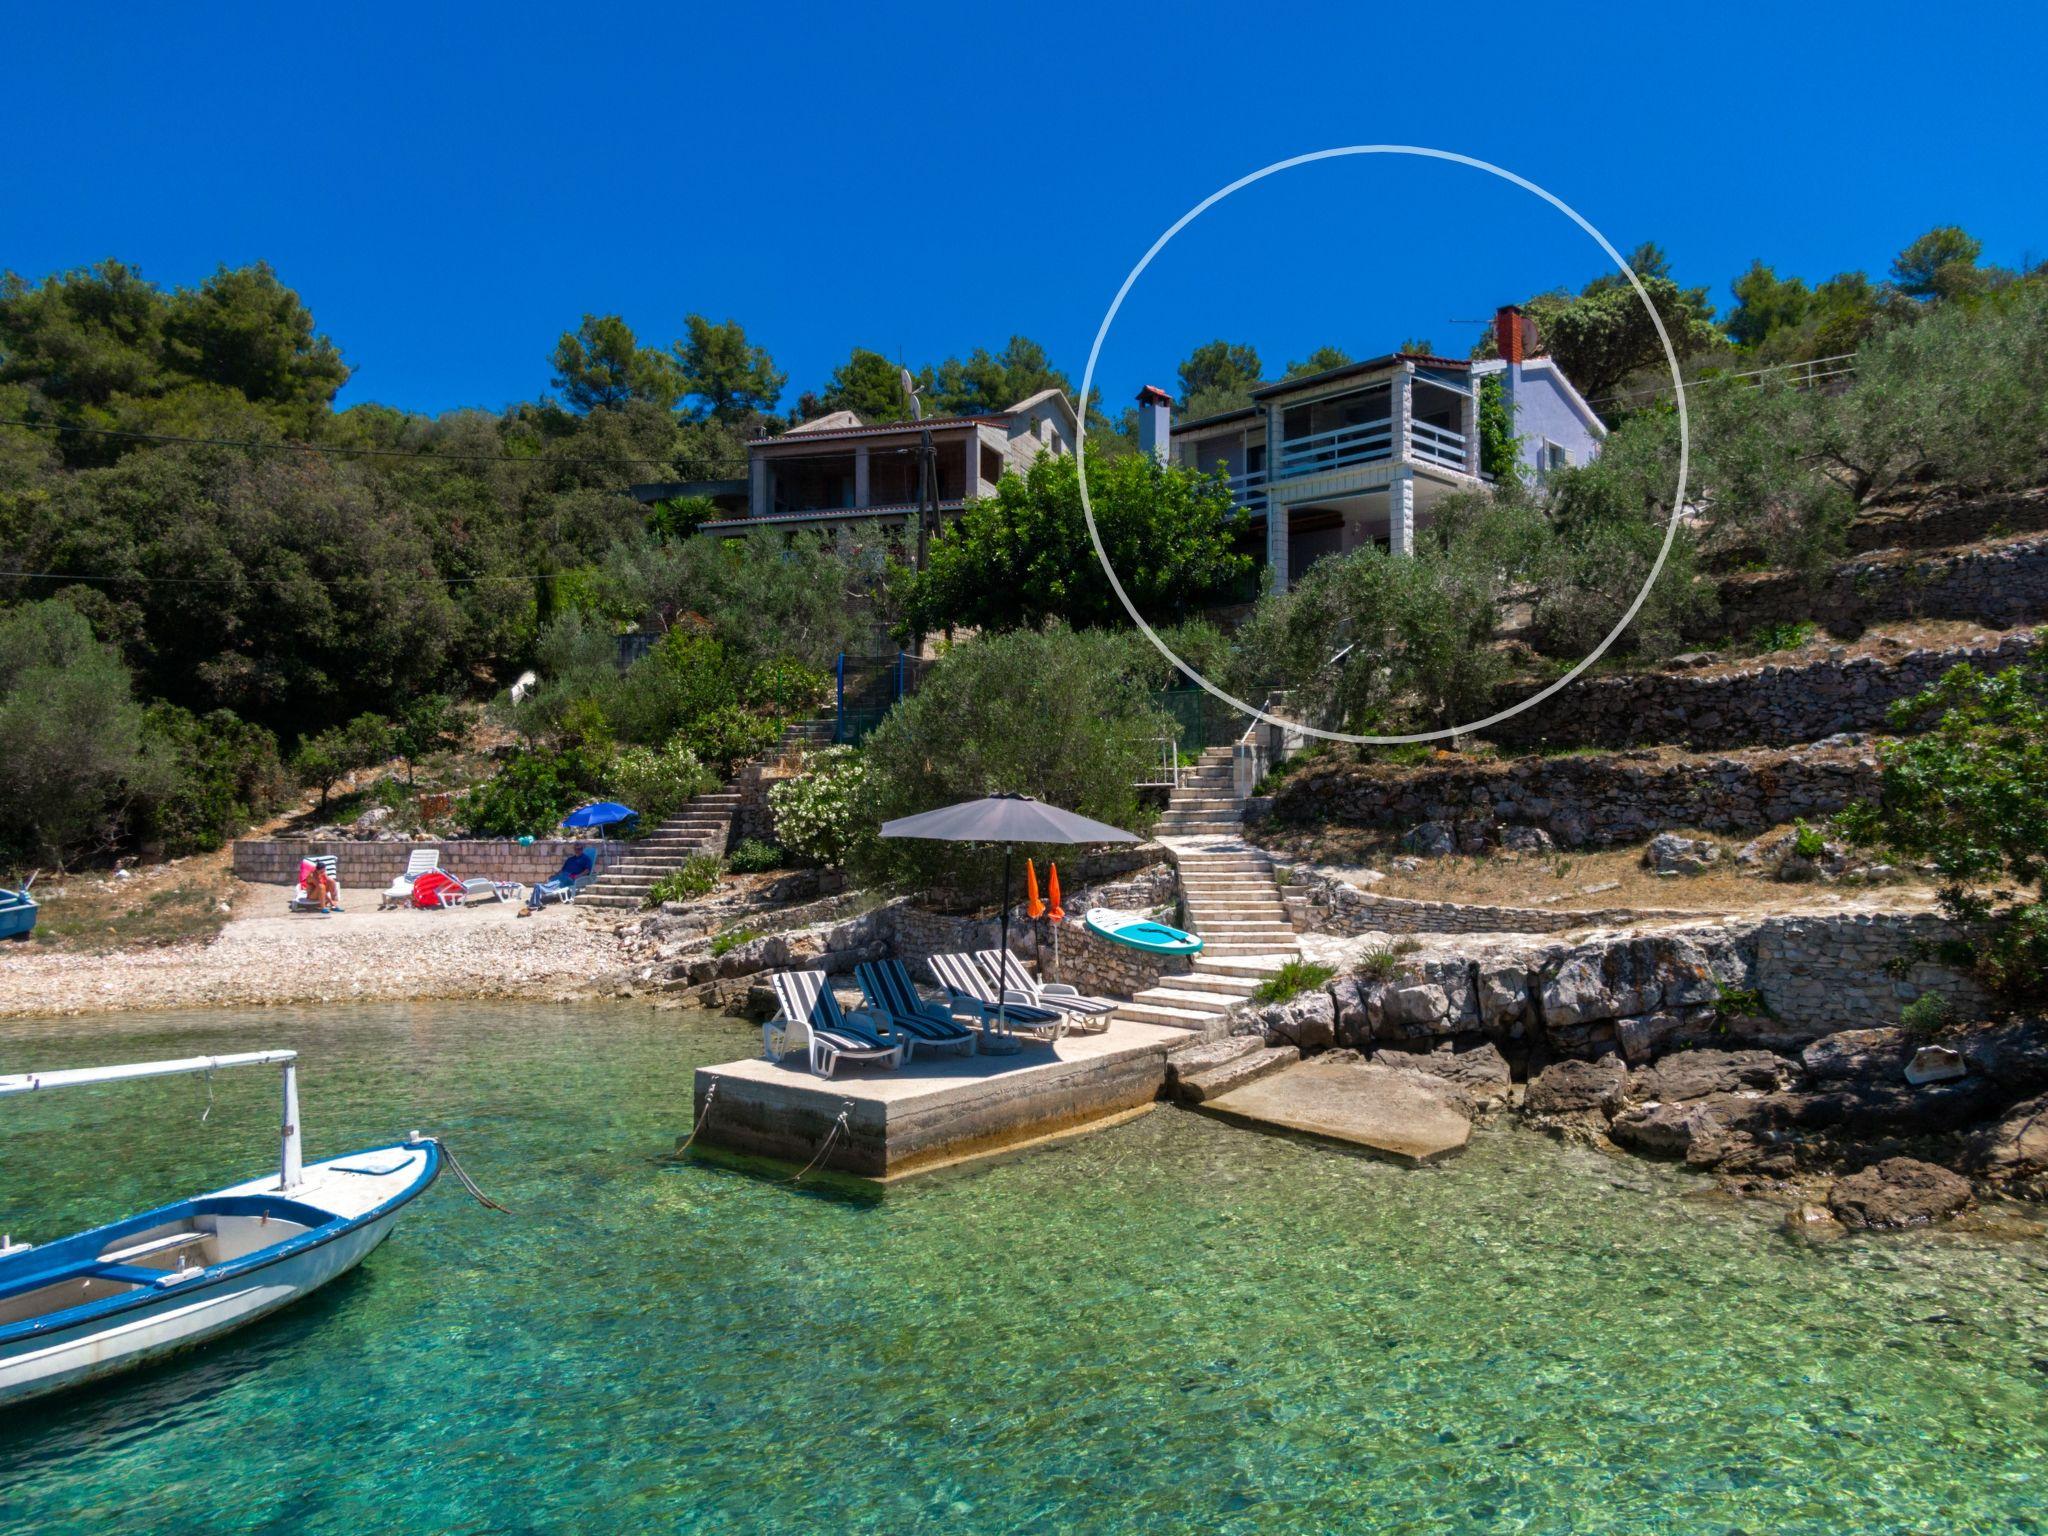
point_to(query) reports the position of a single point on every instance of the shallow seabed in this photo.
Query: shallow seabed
(1171, 1325)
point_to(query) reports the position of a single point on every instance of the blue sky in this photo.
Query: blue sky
(450, 190)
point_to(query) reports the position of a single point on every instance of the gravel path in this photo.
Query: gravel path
(359, 955)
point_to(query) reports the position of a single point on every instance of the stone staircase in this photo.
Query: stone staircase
(1230, 899)
(702, 826)
(1206, 803)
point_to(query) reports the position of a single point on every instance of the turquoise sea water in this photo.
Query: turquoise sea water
(1171, 1325)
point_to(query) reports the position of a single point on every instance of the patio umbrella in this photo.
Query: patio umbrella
(1005, 819)
(599, 814)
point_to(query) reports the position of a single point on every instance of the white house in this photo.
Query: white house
(837, 469)
(1360, 454)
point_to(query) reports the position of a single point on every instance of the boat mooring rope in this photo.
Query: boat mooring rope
(463, 1178)
(831, 1136)
(710, 1093)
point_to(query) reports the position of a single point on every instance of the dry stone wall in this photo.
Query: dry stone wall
(1769, 705)
(1322, 903)
(1589, 801)
(2002, 583)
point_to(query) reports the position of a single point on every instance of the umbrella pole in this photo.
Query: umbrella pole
(1002, 1000)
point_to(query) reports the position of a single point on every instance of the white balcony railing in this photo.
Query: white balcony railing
(1368, 442)
(1438, 444)
(1248, 490)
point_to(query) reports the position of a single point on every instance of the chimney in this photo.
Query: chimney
(1510, 333)
(1155, 422)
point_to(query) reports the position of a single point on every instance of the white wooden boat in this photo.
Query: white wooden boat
(120, 1295)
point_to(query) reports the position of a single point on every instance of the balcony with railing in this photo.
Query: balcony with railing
(1366, 442)
(1439, 445)
(1248, 490)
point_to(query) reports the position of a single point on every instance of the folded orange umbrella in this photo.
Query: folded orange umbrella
(1052, 885)
(1033, 907)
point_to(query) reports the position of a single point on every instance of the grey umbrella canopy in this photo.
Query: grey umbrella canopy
(1005, 819)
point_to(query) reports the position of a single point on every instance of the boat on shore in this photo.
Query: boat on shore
(1137, 931)
(132, 1291)
(17, 912)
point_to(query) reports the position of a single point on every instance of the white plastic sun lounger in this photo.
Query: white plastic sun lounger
(811, 1019)
(969, 988)
(399, 891)
(1008, 970)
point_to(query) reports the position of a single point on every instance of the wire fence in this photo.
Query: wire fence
(866, 688)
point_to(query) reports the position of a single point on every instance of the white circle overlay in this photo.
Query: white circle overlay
(1425, 153)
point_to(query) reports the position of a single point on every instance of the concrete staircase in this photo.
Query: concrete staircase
(1233, 904)
(702, 826)
(1206, 803)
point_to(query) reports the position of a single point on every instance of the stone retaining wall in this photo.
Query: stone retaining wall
(1322, 903)
(1589, 801)
(1941, 524)
(1770, 705)
(1094, 965)
(2002, 584)
(373, 865)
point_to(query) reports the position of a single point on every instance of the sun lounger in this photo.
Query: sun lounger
(1007, 969)
(399, 892)
(811, 1019)
(483, 885)
(968, 987)
(889, 991)
(327, 861)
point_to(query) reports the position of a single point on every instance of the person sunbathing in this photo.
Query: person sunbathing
(322, 892)
(562, 883)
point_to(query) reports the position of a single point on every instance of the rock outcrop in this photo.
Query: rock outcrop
(1898, 1192)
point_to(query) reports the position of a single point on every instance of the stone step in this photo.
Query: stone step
(1208, 1082)
(1216, 983)
(1234, 949)
(1189, 998)
(1255, 968)
(1154, 1013)
(1244, 927)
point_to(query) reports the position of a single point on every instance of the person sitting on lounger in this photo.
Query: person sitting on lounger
(562, 883)
(321, 893)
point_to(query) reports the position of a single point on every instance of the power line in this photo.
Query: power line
(343, 449)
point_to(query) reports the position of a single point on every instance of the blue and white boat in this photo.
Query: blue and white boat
(87, 1306)
(17, 913)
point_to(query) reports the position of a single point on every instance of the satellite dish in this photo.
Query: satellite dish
(910, 390)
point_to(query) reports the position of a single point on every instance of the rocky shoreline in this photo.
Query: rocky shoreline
(1654, 1044)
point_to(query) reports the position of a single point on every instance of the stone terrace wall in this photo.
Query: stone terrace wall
(1590, 801)
(1770, 705)
(275, 861)
(1940, 524)
(1321, 903)
(1094, 965)
(2003, 584)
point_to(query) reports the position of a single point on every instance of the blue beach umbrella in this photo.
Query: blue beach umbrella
(599, 813)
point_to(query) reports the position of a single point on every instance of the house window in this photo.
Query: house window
(991, 464)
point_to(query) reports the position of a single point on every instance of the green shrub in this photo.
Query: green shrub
(1925, 1014)
(751, 856)
(1384, 962)
(1970, 796)
(71, 735)
(786, 687)
(1291, 980)
(1745, 1002)
(824, 817)
(695, 876)
(1807, 841)
(1782, 637)
(729, 735)
(1067, 716)
(732, 939)
(217, 774)
(657, 784)
(528, 797)
(323, 759)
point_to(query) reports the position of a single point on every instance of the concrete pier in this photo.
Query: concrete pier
(936, 1110)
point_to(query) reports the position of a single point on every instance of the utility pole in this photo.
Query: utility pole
(927, 474)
